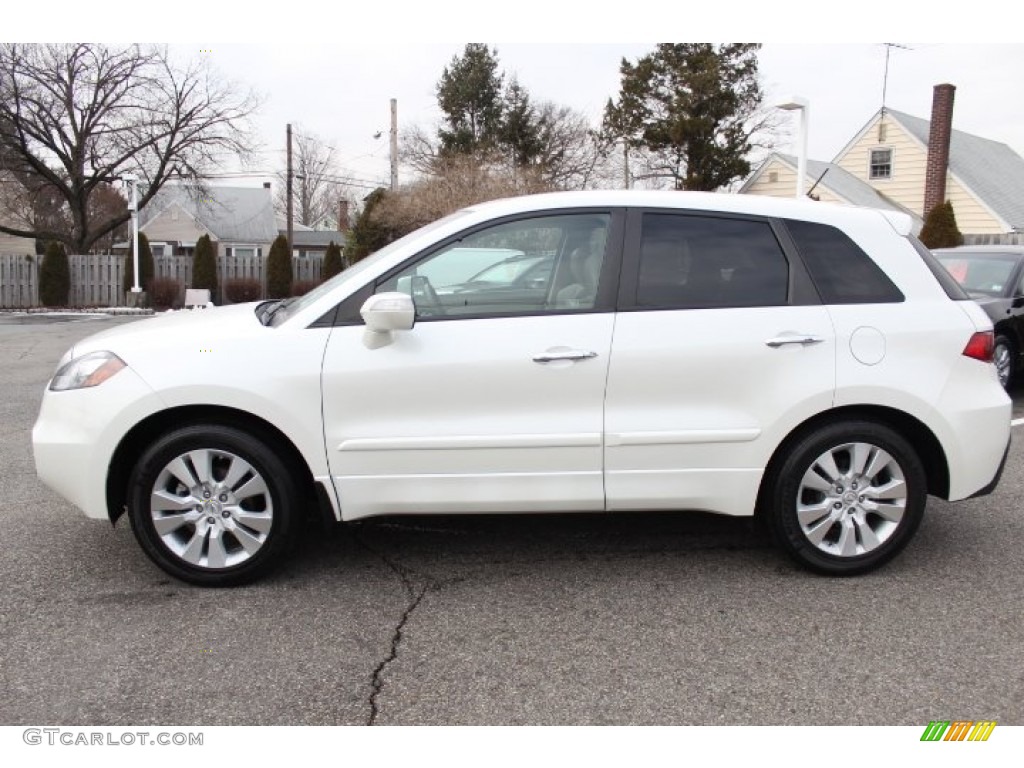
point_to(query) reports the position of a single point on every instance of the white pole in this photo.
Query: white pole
(801, 104)
(801, 178)
(134, 181)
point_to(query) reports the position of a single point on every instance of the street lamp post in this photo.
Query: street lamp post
(804, 107)
(134, 181)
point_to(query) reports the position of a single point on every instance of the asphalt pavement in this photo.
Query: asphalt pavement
(586, 619)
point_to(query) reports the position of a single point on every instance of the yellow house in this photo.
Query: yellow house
(886, 165)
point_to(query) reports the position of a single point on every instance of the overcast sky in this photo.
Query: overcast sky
(331, 67)
(342, 94)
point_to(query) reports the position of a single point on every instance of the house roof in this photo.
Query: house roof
(316, 238)
(838, 180)
(231, 214)
(845, 184)
(990, 169)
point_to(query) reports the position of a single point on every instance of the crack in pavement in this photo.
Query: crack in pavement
(416, 595)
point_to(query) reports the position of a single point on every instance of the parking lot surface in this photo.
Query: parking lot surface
(589, 619)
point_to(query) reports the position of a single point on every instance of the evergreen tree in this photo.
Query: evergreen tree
(940, 229)
(204, 265)
(146, 266)
(694, 108)
(520, 131)
(54, 277)
(279, 269)
(469, 94)
(332, 262)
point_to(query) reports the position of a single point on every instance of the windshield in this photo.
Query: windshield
(297, 305)
(985, 273)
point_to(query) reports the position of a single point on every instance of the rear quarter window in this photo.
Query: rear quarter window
(842, 272)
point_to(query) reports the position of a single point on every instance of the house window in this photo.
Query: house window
(881, 164)
(773, 177)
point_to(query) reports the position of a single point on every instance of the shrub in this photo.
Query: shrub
(332, 261)
(54, 277)
(165, 293)
(302, 287)
(146, 266)
(940, 229)
(204, 265)
(240, 290)
(279, 269)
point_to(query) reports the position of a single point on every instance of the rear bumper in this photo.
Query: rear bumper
(999, 474)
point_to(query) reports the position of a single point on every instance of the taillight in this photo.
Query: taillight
(980, 346)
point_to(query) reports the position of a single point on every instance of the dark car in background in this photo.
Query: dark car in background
(993, 275)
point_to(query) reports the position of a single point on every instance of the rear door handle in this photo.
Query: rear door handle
(568, 354)
(803, 339)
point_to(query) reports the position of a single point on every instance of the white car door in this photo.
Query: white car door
(493, 401)
(720, 348)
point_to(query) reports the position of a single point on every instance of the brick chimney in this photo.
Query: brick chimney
(938, 146)
(343, 215)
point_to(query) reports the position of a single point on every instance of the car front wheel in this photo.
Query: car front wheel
(212, 505)
(848, 497)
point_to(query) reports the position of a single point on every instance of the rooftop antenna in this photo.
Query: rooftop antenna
(885, 77)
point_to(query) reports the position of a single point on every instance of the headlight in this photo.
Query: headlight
(86, 371)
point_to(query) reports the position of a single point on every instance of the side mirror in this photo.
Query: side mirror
(384, 313)
(1018, 302)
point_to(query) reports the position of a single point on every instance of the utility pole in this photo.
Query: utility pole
(288, 190)
(394, 145)
(625, 164)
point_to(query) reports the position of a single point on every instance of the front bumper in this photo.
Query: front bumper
(77, 432)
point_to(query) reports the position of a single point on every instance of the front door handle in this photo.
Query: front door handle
(803, 339)
(568, 354)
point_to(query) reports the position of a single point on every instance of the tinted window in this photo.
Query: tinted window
(695, 262)
(842, 272)
(542, 264)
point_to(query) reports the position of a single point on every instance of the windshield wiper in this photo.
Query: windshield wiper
(269, 314)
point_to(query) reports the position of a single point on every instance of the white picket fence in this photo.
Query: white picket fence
(96, 281)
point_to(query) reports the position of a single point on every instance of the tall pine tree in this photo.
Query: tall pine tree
(470, 97)
(693, 108)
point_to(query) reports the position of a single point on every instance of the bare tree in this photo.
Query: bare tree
(318, 184)
(76, 116)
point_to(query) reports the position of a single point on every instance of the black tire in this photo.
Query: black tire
(859, 535)
(227, 517)
(1003, 349)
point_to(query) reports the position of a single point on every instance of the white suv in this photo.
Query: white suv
(653, 351)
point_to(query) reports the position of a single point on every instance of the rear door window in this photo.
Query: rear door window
(703, 262)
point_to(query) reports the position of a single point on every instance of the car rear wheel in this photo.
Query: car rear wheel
(212, 505)
(1003, 357)
(848, 497)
